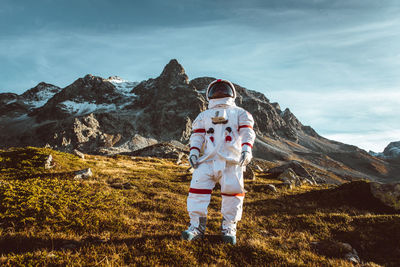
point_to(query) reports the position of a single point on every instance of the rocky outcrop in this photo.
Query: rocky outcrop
(161, 150)
(336, 249)
(391, 152)
(389, 194)
(295, 166)
(290, 179)
(169, 104)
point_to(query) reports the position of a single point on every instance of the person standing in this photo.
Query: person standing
(224, 135)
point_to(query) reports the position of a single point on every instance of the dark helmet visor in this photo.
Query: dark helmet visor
(220, 90)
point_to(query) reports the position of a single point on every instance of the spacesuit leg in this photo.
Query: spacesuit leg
(232, 191)
(200, 193)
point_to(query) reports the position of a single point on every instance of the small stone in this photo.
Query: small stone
(258, 168)
(79, 154)
(48, 164)
(83, 174)
(271, 187)
(352, 257)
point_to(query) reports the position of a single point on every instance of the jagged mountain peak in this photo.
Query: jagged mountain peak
(291, 119)
(174, 73)
(42, 91)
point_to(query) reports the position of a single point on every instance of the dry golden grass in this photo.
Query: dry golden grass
(47, 218)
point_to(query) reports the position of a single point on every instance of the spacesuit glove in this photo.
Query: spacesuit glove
(246, 155)
(194, 158)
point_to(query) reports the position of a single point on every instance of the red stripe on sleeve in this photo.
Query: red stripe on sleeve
(200, 191)
(248, 144)
(199, 130)
(193, 147)
(245, 126)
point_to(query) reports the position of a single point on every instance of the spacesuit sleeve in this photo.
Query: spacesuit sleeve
(246, 123)
(198, 133)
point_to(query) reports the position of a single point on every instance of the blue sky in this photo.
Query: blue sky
(334, 63)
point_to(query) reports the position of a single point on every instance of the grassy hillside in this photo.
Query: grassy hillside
(132, 211)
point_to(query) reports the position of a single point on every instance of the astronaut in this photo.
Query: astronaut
(220, 148)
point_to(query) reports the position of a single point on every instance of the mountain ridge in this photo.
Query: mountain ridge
(98, 115)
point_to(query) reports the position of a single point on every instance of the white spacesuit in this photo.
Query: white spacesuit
(224, 133)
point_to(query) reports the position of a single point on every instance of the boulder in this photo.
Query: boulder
(289, 177)
(271, 187)
(332, 248)
(296, 167)
(388, 194)
(83, 174)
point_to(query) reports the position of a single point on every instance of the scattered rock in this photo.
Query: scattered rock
(83, 174)
(296, 167)
(258, 168)
(161, 150)
(79, 154)
(249, 174)
(285, 185)
(271, 187)
(336, 249)
(126, 185)
(388, 194)
(48, 164)
(288, 176)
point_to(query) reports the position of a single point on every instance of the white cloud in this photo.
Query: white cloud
(368, 119)
(375, 141)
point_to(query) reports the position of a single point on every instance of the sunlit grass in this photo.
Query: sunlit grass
(48, 218)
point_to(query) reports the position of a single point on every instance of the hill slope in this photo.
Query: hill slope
(111, 116)
(132, 210)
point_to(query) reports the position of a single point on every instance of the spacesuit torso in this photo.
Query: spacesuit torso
(221, 131)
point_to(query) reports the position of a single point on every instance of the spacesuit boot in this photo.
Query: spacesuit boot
(228, 232)
(195, 232)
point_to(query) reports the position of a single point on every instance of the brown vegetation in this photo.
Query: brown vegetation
(48, 218)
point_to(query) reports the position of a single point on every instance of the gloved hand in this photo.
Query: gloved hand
(246, 156)
(194, 158)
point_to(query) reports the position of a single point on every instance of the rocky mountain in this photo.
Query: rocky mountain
(109, 116)
(391, 152)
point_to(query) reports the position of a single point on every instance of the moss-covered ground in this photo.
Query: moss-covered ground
(48, 218)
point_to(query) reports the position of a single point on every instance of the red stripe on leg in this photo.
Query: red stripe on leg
(200, 191)
(234, 195)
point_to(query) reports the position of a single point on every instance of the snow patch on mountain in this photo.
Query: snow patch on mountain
(11, 101)
(85, 107)
(123, 86)
(39, 95)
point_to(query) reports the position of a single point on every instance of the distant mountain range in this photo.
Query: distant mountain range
(110, 116)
